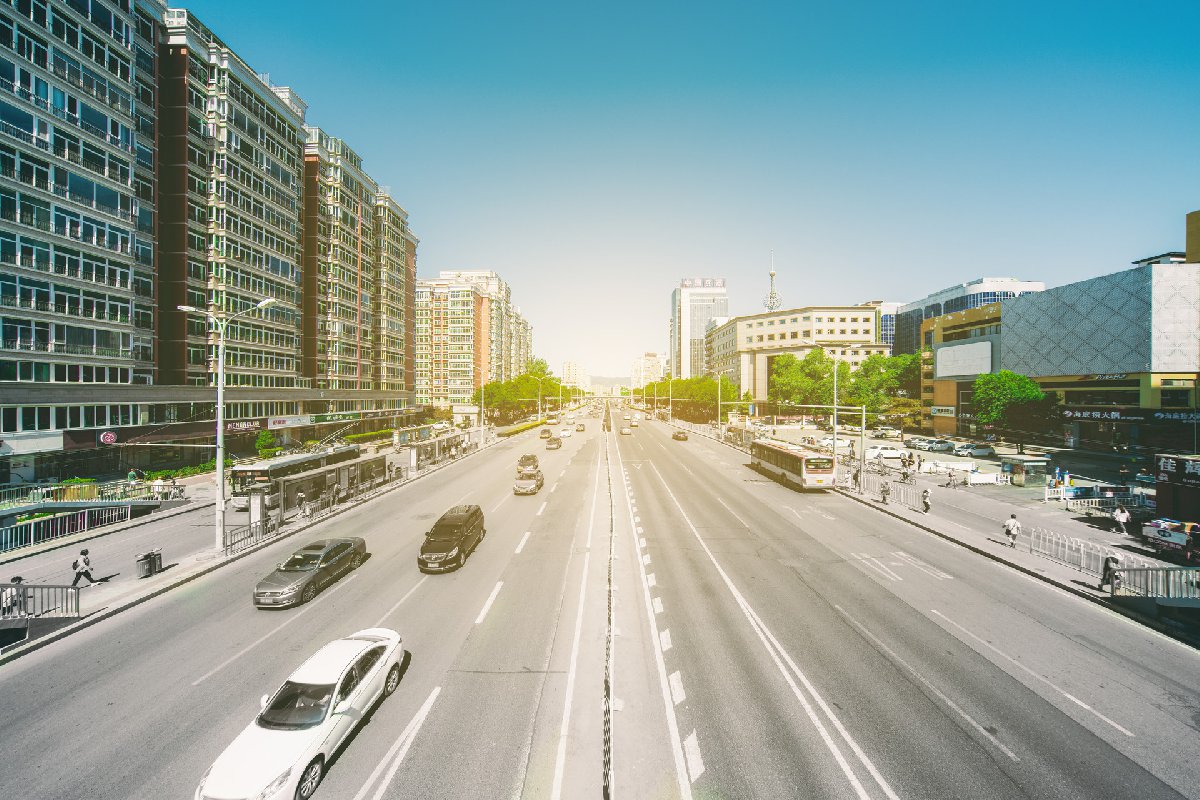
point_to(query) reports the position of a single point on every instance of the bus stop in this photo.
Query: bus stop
(1025, 470)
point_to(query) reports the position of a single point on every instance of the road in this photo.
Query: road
(658, 615)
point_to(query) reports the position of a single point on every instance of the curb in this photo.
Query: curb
(1142, 619)
(125, 605)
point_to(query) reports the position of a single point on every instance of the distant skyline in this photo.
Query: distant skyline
(593, 156)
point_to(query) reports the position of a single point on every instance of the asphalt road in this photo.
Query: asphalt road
(659, 616)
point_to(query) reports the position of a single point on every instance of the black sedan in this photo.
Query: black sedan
(309, 570)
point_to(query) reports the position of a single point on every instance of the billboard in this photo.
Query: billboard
(963, 359)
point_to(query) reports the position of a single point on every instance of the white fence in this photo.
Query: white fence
(1168, 582)
(1087, 557)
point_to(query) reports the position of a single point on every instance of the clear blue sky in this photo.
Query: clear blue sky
(593, 154)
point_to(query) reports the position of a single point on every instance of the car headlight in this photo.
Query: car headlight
(290, 589)
(274, 786)
(452, 553)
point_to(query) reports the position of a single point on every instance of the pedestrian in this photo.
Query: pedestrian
(11, 599)
(952, 481)
(884, 491)
(920, 460)
(175, 493)
(925, 501)
(1121, 518)
(1123, 472)
(302, 501)
(83, 568)
(1012, 529)
(160, 487)
(1058, 474)
(857, 477)
(1109, 573)
(1066, 477)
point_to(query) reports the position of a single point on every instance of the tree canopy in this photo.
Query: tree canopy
(998, 395)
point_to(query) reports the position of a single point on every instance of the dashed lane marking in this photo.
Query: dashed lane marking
(664, 639)
(524, 539)
(658, 606)
(491, 599)
(677, 693)
(691, 752)
(540, 510)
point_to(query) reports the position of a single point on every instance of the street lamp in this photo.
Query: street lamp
(539, 380)
(221, 323)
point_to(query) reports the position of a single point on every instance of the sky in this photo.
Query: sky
(595, 154)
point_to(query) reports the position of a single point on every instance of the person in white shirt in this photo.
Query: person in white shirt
(1012, 528)
(1121, 518)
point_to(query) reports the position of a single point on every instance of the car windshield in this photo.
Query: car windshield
(296, 705)
(304, 561)
(527, 461)
(443, 533)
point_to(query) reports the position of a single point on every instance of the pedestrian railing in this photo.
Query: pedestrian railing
(44, 529)
(1097, 503)
(985, 478)
(99, 493)
(1177, 583)
(1087, 557)
(238, 539)
(1053, 493)
(23, 600)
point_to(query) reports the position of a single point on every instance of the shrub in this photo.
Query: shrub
(268, 452)
(386, 433)
(79, 480)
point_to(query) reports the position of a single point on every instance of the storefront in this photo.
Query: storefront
(1178, 482)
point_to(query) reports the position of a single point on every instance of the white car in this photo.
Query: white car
(626, 432)
(282, 754)
(883, 451)
(565, 433)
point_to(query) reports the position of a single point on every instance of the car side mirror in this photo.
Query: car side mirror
(342, 707)
(262, 702)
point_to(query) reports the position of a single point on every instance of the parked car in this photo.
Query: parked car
(939, 446)
(882, 451)
(886, 432)
(679, 436)
(982, 451)
(918, 443)
(529, 482)
(554, 443)
(527, 463)
(963, 449)
(545, 433)
(284, 751)
(309, 570)
(452, 538)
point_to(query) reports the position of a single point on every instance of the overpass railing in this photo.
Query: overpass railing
(1177, 583)
(100, 493)
(44, 529)
(21, 600)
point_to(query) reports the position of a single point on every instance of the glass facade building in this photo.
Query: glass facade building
(974, 294)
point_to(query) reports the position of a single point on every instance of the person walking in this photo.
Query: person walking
(12, 598)
(302, 501)
(159, 487)
(1109, 573)
(1123, 474)
(1012, 529)
(952, 481)
(1057, 474)
(884, 491)
(1121, 518)
(925, 503)
(83, 568)
(857, 477)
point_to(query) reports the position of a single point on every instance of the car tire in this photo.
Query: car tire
(310, 779)
(308, 594)
(392, 681)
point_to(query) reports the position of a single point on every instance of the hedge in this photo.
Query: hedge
(185, 472)
(519, 429)
(386, 433)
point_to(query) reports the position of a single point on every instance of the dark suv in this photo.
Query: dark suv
(527, 464)
(451, 539)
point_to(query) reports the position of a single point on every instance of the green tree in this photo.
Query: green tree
(265, 441)
(997, 394)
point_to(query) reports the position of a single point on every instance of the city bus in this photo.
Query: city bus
(269, 471)
(792, 465)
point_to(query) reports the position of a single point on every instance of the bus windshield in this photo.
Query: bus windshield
(816, 464)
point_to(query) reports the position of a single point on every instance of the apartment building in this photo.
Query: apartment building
(522, 344)
(744, 348)
(394, 302)
(499, 324)
(451, 341)
(339, 266)
(693, 303)
(647, 368)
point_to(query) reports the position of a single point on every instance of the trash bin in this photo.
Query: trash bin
(145, 564)
(156, 561)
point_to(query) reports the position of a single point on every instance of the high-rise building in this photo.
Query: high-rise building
(497, 324)
(522, 344)
(887, 319)
(339, 266)
(978, 292)
(647, 368)
(572, 374)
(693, 303)
(394, 304)
(451, 341)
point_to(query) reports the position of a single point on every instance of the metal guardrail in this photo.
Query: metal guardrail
(23, 600)
(44, 529)
(1087, 557)
(100, 493)
(1177, 583)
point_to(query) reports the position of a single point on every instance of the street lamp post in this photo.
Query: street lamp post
(221, 323)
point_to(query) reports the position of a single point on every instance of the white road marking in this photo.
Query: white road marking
(1033, 674)
(734, 513)
(399, 749)
(950, 703)
(639, 527)
(779, 656)
(268, 635)
(646, 558)
(658, 606)
(823, 514)
(691, 751)
(564, 472)
(877, 565)
(524, 539)
(683, 785)
(651, 580)
(642, 542)
(677, 693)
(540, 510)
(689, 472)
(552, 488)
(664, 639)
(637, 519)
(392, 610)
(491, 599)
(495, 507)
(921, 565)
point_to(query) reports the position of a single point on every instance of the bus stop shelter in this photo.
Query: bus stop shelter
(1025, 470)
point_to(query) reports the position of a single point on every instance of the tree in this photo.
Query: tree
(265, 441)
(538, 367)
(996, 394)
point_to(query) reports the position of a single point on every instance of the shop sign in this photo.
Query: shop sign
(1105, 414)
(1177, 416)
(243, 425)
(1178, 470)
(274, 423)
(942, 411)
(344, 416)
(1119, 376)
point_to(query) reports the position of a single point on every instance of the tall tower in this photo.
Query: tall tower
(772, 302)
